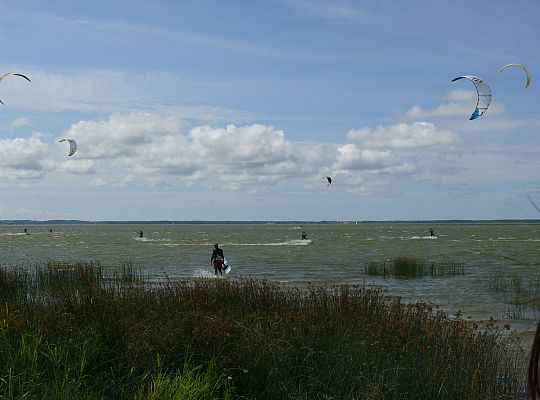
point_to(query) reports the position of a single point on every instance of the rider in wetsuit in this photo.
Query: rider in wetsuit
(217, 259)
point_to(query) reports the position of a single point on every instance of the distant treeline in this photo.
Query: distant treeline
(427, 222)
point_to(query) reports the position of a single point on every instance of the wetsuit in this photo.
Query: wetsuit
(217, 260)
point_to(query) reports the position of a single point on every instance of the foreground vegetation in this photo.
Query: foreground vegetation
(78, 331)
(406, 267)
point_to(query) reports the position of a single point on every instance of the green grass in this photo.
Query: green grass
(521, 296)
(413, 267)
(83, 331)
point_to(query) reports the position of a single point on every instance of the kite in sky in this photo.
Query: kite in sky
(72, 146)
(527, 74)
(484, 94)
(12, 73)
(328, 179)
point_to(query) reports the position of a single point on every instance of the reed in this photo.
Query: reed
(90, 335)
(521, 296)
(413, 267)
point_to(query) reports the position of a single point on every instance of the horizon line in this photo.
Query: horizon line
(77, 221)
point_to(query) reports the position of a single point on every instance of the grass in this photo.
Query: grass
(521, 296)
(413, 267)
(83, 331)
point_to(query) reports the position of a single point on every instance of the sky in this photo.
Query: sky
(237, 110)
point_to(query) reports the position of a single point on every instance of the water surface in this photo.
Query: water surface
(336, 254)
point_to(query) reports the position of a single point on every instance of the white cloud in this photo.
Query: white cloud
(461, 104)
(157, 149)
(402, 136)
(120, 134)
(19, 123)
(161, 150)
(75, 166)
(22, 158)
(353, 158)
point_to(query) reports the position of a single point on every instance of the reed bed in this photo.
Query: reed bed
(413, 267)
(521, 295)
(99, 336)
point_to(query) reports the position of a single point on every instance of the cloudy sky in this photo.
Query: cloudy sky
(236, 110)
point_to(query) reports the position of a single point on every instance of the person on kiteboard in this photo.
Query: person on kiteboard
(217, 259)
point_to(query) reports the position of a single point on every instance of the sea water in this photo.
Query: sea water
(335, 254)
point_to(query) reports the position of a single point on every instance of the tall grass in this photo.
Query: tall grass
(79, 332)
(413, 267)
(521, 296)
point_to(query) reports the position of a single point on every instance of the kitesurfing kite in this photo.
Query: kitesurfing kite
(328, 179)
(72, 146)
(484, 95)
(533, 203)
(12, 73)
(527, 74)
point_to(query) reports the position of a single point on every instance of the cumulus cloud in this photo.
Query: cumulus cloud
(161, 149)
(120, 134)
(461, 104)
(351, 158)
(22, 158)
(404, 136)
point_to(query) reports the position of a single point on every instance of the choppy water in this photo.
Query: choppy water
(336, 255)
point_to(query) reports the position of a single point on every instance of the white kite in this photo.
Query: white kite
(15, 74)
(527, 74)
(72, 146)
(484, 95)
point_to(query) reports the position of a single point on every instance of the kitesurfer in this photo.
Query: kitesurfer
(141, 234)
(217, 259)
(431, 233)
(26, 231)
(304, 235)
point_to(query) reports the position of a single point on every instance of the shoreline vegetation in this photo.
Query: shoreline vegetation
(406, 267)
(82, 330)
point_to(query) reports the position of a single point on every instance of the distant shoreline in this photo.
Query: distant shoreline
(202, 222)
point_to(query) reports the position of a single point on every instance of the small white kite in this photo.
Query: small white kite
(72, 146)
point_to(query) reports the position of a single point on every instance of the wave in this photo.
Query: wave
(143, 239)
(294, 242)
(204, 273)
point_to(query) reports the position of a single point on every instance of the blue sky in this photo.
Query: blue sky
(236, 110)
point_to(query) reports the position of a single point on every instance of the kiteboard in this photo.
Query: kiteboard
(226, 266)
